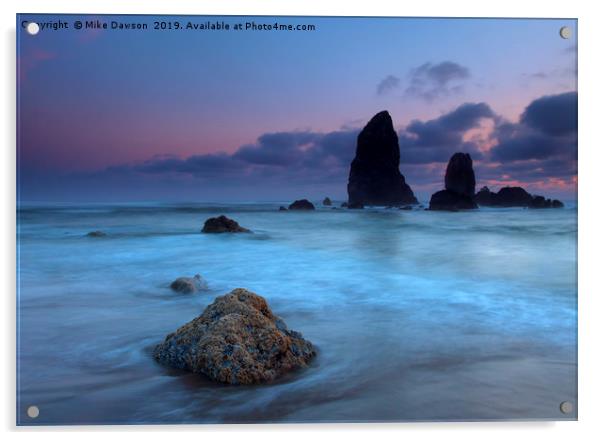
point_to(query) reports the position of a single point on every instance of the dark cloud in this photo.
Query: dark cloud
(437, 139)
(430, 81)
(547, 130)
(281, 148)
(389, 83)
(554, 115)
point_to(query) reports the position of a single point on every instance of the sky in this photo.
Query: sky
(250, 115)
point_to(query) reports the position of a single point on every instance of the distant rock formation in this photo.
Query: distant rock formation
(282, 208)
(514, 196)
(237, 340)
(327, 201)
(344, 205)
(484, 197)
(459, 186)
(222, 224)
(96, 234)
(374, 177)
(301, 205)
(188, 284)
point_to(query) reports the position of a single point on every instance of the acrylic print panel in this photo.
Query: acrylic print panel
(296, 219)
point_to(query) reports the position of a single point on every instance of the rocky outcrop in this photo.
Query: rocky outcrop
(514, 196)
(222, 224)
(459, 186)
(451, 201)
(188, 284)
(237, 340)
(484, 197)
(96, 234)
(344, 205)
(327, 202)
(302, 205)
(374, 177)
(282, 208)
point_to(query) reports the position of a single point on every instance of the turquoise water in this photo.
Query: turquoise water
(416, 315)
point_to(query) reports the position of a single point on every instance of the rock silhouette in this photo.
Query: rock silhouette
(459, 186)
(327, 202)
(237, 340)
(374, 177)
(222, 224)
(514, 196)
(301, 205)
(459, 176)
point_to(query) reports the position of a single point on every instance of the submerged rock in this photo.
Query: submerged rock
(188, 284)
(301, 205)
(459, 186)
(282, 208)
(222, 224)
(327, 202)
(344, 205)
(374, 177)
(96, 234)
(237, 340)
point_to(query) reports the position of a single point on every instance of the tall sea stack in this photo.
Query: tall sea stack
(374, 177)
(459, 186)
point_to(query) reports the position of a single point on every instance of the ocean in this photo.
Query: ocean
(416, 315)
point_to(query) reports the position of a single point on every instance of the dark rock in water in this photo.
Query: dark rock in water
(459, 176)
(222, 224)
(327, 202)
(282, 208)
(96, 234)
(355, 206)
(406, 208)
(374, 177)
(484, 197)
(459, 186)
(237, 340)
(512, 196)
(344, 205)
(447, 200)
(188, 284)
(539, 202)
(301, 205)
(557, 204)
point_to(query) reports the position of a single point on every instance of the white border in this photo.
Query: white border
(590, 161)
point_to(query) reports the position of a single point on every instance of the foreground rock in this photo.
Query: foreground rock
(301, 205)
(514, 196)
(374, 177)
(237, 340)
(459, 186)
(222, 224)
(188, 284)
(96, 234)
(327, 202)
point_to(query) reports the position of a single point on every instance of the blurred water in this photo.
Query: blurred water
(416, 315)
